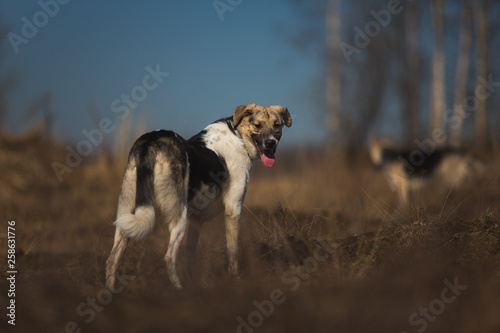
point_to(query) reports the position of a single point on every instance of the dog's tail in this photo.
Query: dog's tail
(139, 224)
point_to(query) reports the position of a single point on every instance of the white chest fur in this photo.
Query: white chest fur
(230, 147)
(208, 201)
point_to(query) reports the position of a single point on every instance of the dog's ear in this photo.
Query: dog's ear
(241, 112)
(285, 115)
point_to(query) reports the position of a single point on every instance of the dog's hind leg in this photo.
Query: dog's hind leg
(405, 194)
(119, 245)
(176, 235)
(192, 238)
(126, 203)
(171, 183)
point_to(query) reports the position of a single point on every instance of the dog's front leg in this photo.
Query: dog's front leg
(232, 229)
(233, 201)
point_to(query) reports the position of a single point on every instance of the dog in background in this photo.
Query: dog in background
(408, 171)
(192, 181)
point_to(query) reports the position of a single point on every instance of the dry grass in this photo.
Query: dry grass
(384, 262)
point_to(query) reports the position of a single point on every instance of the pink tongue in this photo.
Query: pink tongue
(268, 158)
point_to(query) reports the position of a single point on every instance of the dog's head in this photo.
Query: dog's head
(260, 128)
(377, 147)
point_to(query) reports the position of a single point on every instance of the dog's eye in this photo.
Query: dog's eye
(277, 125)
(258, 126)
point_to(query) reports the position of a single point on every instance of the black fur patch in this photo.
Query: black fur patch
(205, 166)
(415, 162)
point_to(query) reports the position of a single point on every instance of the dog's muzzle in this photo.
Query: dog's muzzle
(270, 144)
(267, 150)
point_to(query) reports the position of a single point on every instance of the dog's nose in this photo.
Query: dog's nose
(270, 144)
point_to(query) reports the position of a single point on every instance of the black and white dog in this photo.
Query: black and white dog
(192, 181)
(408, 171)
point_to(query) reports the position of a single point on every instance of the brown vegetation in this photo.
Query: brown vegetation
(324, 238)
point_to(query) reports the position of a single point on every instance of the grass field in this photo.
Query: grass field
(325, 247)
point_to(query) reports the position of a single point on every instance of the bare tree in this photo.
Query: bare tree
(482, 29)
(381, 61)
(411, 77)
(7, 77)
(437, 98)
(462, 72)
(334, 69)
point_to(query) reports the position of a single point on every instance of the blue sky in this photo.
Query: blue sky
(93, 52)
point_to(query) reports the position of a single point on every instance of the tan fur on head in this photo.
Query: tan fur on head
(257, 123)
(241, 112)
(246, 110)
(376, 148)
(283, 112)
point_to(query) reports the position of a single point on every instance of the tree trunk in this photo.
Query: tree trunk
(334, 70)
(437, 98)
(412, 77)
(480, 117)
(463, 64)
